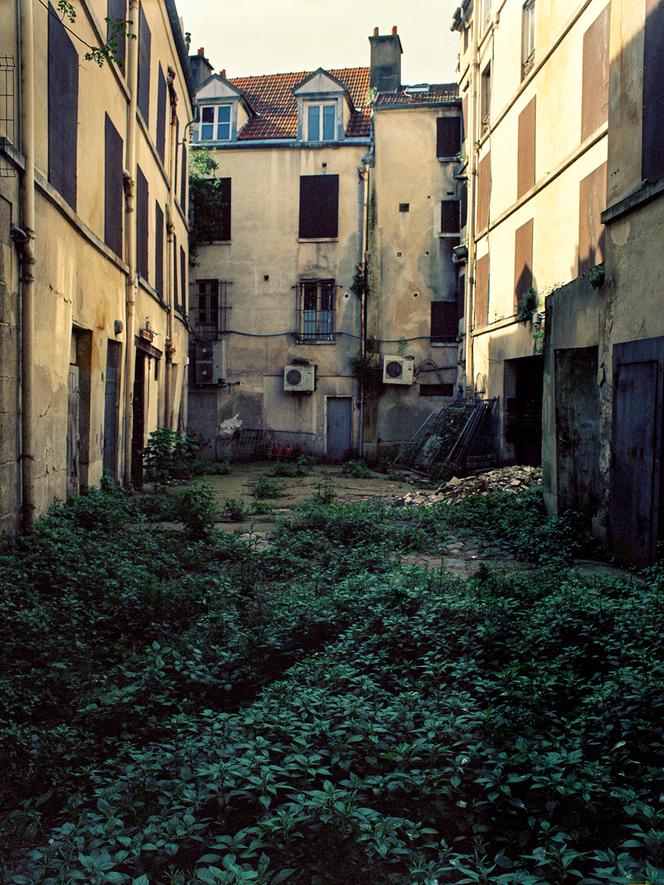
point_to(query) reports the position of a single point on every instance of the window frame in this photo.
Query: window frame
(216, 122)
(310, 226)
(320, 105)
(320, 326)
(527, 38)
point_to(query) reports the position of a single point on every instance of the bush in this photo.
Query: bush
(267, 487)
(211, 468)
(196, 508)
(356, 469)
(234, 510)
(289, 468)
(169, 455)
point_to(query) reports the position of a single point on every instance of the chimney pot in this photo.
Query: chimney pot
(222, 73)
(201, 51)
(394, 30)
(376, 32)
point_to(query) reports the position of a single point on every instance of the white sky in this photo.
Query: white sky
(276, 36)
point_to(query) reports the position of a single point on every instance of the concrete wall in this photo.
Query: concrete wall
(411, 266)
(264, 262)
(80, 284)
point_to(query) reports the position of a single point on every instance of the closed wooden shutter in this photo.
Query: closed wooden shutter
(176, 294)
(448, 136)
(653, 92)
(113, 187)
(159, 249)
(449, 217)
(144, 54)
(523, 260)
(319, 206)
(224, 198)
(482, 291)
(461, 296)
(183, 279)
(62, 109)
(592, 202)
(526, 148)
(595, 77)
(116, 10)
(183, 180)
(483, 192)
(161, 114)
(142, 198)
(444, 322)
(463, 205)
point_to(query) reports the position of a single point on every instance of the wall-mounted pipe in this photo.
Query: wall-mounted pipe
(169, 392)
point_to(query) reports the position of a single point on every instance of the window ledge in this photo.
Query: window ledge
(444, 343)
(641, 195)
(217, 243)
(318, 239)
(300, 340)
(452, 236)
(454, 159)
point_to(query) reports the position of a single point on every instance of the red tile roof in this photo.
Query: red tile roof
(435, 93)
(272, 100)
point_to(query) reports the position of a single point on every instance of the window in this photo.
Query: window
(211, 309)
(481, 291)
(62, 109)
(161, 114)
(485, 12)
(321, 122)
(483, 191)
(485, 99)
(527, 37)
(183, 279)
(404, 207)
(526, 155)
(448, 137)
(159, 250)
(144, 51)
(595, 82)
(142, 198)
(211, 207)
(316, 310)
(113, 187)
(215, 123)
(444, 322)
(319, 207)
(523, 261)
(652, 155)
(116, 11)
(449, 217)
(436, 389)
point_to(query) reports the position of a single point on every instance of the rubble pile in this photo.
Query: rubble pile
(504, 479)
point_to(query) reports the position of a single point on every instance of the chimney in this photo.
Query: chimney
(386, 52)
(200, 67)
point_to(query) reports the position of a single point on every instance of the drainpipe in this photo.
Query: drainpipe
(169, 392)
(27, 265)
(130, 244)
(363, 172)
(472, 193)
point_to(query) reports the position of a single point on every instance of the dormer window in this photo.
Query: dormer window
(215, 122)
(321, 121)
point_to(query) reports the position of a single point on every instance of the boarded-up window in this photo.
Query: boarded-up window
(653, 92)
(161, 114)
(526, 149)
(116, 12)
(183, 279)
(62, 109)
(144, 53)
(183, 179)
(448, 136)
(113, 187)
(159, 249)
(142, 197)
(463, 205)
(176, 288)
(481, 291)
(444, 322)
(523, 260)
(595, 86)
(449, 217)
(592, 202)
(319, 206)
(461, 295)
(483, 192)
(176, 165)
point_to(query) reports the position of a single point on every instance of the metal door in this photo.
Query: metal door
(111, 401)
(73, 431)
(339, 427)
(636, 449)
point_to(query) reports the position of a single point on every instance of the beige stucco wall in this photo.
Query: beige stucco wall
(411, 264)
(79, 283)
(265, 187)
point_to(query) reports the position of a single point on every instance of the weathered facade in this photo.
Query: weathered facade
(94, 246)
(323, 246)
(534, 88)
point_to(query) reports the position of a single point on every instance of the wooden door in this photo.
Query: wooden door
(339, 427)
(636, 479)
(138, 424)
(73, 432)
(111, 403)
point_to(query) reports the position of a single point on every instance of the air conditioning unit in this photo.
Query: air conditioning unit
(398, 370)
(210, 363)
(299, 378)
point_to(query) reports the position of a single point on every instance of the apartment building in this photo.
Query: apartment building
(93, 244)
(534, 90)
(312, 296)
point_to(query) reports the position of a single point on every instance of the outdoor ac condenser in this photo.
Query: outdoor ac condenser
(210, 363)
(398, 370)
(299, 378)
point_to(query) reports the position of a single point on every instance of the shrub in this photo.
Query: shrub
(169, 455)
(197, 510)
(234, 510)
(289, 468)
(356, 469)
(211, 468)
(267, 487)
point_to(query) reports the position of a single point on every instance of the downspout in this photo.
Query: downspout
(364, 239)
(27, 265)
(470, 278)
(130, 244)
(169, 392)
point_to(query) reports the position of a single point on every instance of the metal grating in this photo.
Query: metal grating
(278, 445)
(7, 110)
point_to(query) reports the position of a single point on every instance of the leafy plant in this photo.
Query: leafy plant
(357, 469)
(526, 305)
(169, 455)
(289, 468)
(196, 508)
(597, 275)
(267, 487)
(234, 510)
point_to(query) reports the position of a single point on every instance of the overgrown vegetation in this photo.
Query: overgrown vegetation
(180, 711)
(527, 304)
(169, 455)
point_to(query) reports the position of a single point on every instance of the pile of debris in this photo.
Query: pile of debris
(505, 479)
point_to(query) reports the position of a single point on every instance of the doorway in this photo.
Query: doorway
(138, 423)
(339, 427)
(111, 406)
